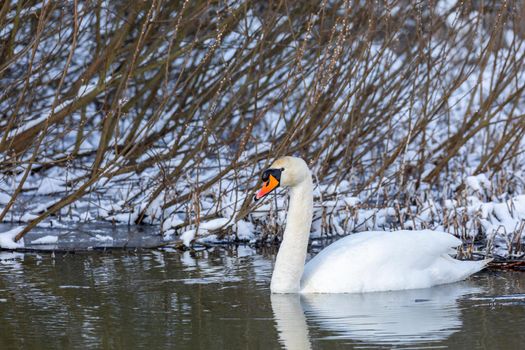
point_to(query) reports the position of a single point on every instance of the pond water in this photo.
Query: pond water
(220, 299)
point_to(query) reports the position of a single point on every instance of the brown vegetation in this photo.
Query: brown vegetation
(368, 92)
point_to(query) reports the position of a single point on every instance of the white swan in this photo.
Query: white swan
(362, 262)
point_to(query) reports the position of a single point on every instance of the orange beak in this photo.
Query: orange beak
(268, 186)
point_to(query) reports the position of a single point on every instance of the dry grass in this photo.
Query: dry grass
(368, 92)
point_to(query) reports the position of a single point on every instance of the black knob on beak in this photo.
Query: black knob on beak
(274, 172)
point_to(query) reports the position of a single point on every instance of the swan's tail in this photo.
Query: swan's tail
(460, 269)
(471, 267)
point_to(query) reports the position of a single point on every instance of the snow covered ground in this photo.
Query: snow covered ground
(402, 131)
(492, 227)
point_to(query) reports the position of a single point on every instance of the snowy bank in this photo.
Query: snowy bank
(7, 239)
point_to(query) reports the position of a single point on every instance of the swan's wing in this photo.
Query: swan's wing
(412, 248)
(372, 261)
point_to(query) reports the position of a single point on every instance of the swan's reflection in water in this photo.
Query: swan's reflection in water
(291, 322)
(400, 317)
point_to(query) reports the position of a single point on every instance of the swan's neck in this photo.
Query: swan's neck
(289, 264)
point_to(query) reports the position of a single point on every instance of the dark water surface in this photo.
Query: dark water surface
(220, 299)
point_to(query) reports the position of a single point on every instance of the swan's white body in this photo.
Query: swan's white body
(380, 261)
(362, 262)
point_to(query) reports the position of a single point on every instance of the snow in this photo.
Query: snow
(338, 210)
(172, 221)
(49, 239)
(519, 205)
(478, 182)
(351, 201)
(4, 198)
(444, 6)
(214, 224)
(187, 237)
(7, 239)
(27, 126)
(27, 217)
(50, 185)
(245, 230)
(87, 89)
(102, 238)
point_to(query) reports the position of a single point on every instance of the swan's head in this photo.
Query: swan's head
(285, 171)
